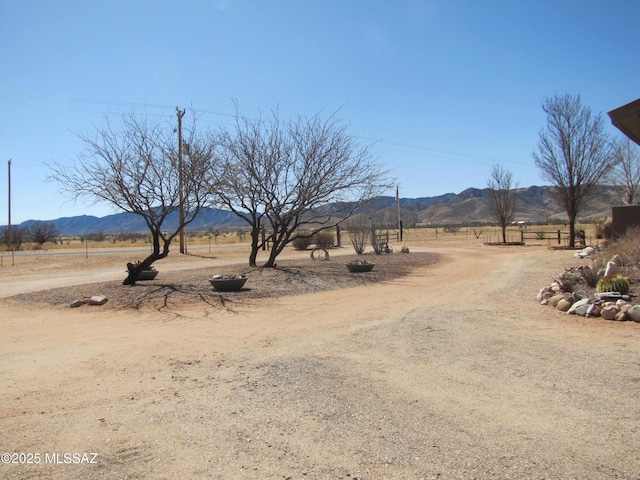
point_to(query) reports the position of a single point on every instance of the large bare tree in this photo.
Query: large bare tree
(285, 177)
(503, 199)
(135, 167)
(626, 172)
(574, 153)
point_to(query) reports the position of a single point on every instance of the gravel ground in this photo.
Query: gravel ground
(450, 371)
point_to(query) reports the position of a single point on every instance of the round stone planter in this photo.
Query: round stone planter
(359, 267)
(228, 284)
(148, 275)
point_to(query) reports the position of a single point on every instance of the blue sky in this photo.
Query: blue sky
(440, 88)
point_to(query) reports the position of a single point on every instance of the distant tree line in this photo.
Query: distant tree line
(38, 232)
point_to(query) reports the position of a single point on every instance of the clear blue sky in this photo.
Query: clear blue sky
(444, 87)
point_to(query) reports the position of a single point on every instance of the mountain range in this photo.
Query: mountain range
(468, 206)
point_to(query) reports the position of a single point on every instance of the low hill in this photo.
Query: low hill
(468, 206)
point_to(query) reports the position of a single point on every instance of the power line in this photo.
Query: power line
(379, 144)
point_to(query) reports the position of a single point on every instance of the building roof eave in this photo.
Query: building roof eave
(627, 119)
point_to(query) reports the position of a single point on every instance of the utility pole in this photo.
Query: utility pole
(9, 237)
(180, 114)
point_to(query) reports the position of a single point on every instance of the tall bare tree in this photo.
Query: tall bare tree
(574, 153)
(626, 172)
(135, 167)
(306, 174)
(503, 199)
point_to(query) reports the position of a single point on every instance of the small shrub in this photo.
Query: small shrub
(323, 240)
(613, 283)
(301, 243)
(603, 228)
(590, 275)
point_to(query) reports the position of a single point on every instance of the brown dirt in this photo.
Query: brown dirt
(449, 371)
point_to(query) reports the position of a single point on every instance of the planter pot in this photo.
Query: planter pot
(359, 267)
(228, 284)
(148, 275)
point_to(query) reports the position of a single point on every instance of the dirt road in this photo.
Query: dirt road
(453, 372)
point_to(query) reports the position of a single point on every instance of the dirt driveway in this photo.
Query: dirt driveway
(453, 372)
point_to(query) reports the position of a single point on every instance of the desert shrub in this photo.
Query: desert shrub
(568, 280)
(541, 235)
(378, 242)
(603, 228)
(323, 239)
(359, 230)
(590, 274)
(301, 243)
(613, 283)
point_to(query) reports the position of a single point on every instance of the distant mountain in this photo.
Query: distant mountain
(470, 205)
(131, 223)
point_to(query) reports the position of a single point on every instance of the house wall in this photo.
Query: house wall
(624, 217)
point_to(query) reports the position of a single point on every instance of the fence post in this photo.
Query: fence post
(559, 237)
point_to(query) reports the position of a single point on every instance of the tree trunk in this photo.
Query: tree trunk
(572, 230)
(504, 234)
(255, 246)
(134, 269)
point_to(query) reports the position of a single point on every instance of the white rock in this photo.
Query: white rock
(98, 300)
(585, 252)
(612, 269)
(575, 306)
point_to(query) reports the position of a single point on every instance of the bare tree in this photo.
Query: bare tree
(306, 174)
(574, 153)
(626, 172)
(359, 230)
(43, 232)
(503, 199)
(13, 238)
(136, 169)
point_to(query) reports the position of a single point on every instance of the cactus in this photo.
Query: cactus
(613, 283)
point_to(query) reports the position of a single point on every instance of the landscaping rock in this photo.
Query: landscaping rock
(620, 316)
(571, 293)
(609, 312)
(580, 303)
(593, 310)
(585, 252)
(634, 313)
(563, 305)
(98, 300)
(582, 310)
(553, 301)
